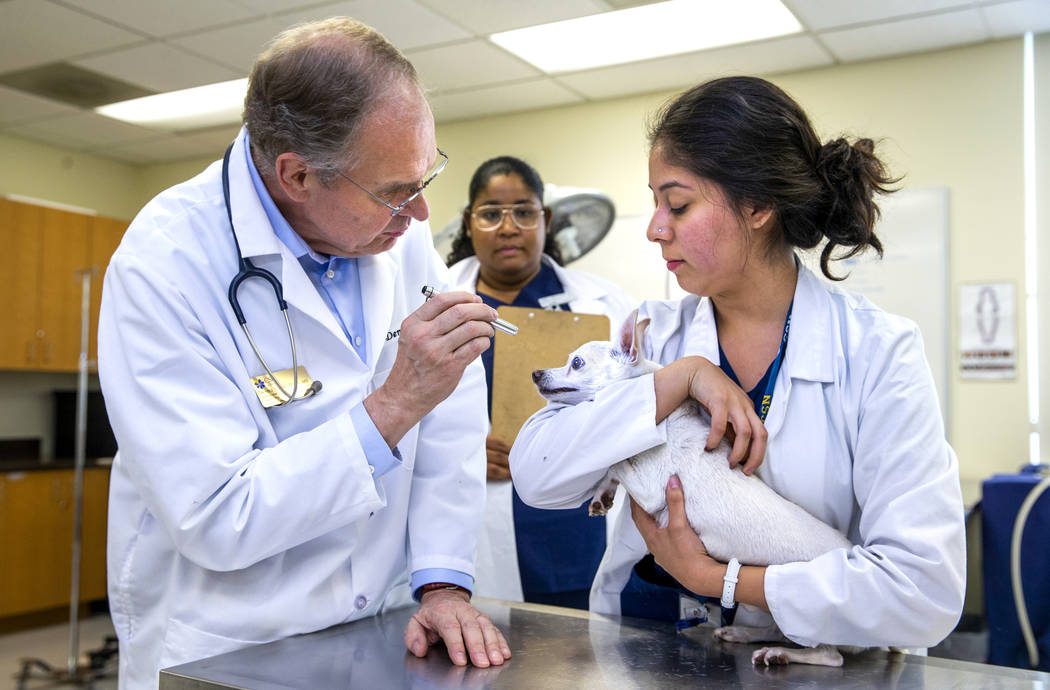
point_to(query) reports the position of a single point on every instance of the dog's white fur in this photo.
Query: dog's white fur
(736, 515)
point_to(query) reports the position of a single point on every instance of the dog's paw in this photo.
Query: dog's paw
(597, 508)
(608, 497)
(771, 656)
(732, 633)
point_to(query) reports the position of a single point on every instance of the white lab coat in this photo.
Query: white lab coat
(231, 524)
(855, 437)
(497, 555)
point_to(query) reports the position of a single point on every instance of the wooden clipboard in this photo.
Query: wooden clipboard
(544, 340)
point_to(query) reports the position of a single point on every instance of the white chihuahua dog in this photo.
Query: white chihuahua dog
(736, 515)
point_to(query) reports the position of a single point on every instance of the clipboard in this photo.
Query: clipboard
(544, 340)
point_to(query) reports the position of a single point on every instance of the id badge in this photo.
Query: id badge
(271, 396)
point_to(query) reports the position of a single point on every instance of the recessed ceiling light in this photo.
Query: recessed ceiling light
(201, 106)
(649, 31)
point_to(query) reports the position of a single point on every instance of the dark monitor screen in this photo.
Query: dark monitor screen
(99, 441)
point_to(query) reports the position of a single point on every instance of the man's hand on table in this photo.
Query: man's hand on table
(447, 615)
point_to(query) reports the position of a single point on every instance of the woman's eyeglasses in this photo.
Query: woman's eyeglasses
(490, 216)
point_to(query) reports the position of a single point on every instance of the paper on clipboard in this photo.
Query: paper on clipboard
(544, 340)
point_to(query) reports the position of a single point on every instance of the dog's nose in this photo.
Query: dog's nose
(537, 375)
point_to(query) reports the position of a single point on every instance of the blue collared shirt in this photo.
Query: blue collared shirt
(338, 281)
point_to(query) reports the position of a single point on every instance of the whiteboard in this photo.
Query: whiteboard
(911, 279)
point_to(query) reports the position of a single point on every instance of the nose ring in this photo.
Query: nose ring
(659, 231)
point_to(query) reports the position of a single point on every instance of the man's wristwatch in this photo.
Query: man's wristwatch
(729, 584)
(432, 586)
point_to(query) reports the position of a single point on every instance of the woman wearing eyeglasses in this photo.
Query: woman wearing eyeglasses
(504, 253)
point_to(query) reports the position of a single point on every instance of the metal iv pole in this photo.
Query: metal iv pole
(75, 673)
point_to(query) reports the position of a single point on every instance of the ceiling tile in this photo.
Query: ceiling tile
(274, 6)
(540, 93)
(906, 36)
(825, 14)
(16, 107)
(158, 67)
(474, 63)
(35, 32)
(83, 130)
(233, 46)
(165, 18)
(172, 147)
(485, 17)
(405, 23)
(1013, 18)
(766, 57)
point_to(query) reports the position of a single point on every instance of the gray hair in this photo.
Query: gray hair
(312, 88)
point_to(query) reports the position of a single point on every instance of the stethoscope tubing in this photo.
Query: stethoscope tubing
(249, 270)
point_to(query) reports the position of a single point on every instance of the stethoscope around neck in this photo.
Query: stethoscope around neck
(249, 270)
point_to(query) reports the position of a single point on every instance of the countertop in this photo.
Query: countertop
(30, 465)
(563, 648)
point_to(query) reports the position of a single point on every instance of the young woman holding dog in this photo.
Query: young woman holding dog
(830, 394)
(504, 253)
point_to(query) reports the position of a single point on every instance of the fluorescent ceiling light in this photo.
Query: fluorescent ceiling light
(201, 106)
(649, 31)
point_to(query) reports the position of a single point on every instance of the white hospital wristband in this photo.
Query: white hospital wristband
(729, 584)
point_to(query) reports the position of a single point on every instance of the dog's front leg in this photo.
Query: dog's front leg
(603, 496)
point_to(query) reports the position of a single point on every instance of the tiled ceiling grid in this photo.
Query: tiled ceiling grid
(162, 45)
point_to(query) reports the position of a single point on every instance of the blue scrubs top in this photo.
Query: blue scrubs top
(558, 550)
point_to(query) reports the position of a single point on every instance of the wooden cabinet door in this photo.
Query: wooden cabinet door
(37, 522)
(36, 539)
(63, 253)
(20, 344)
(106, 234)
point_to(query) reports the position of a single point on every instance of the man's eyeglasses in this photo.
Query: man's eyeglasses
(490, 216)
(394, 210)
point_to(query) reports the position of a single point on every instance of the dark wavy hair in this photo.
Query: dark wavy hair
(754, 141)
(462, 247)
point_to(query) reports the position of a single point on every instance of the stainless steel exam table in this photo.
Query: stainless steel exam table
(563, 648)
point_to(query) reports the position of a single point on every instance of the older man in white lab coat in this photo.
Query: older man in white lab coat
(237, 515)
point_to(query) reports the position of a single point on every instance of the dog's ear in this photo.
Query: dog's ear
(627, 333)
(638, 339)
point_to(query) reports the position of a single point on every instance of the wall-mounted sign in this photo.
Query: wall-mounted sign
(987, 324)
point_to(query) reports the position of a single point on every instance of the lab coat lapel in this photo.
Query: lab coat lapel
(260, 244)
(302, 294)
(808, 354)
(379, 274)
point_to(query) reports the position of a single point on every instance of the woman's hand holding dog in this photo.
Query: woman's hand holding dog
(733, 415)
(680, 551)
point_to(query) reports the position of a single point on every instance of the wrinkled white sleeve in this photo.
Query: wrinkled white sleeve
(563, 451)
(187, 436)
(448, 480)
(903, 585)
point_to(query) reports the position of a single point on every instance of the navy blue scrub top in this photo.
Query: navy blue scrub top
(558, 550)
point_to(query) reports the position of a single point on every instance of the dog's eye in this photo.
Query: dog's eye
(577, 363)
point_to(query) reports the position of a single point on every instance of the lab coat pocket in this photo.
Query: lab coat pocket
(184, 643)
